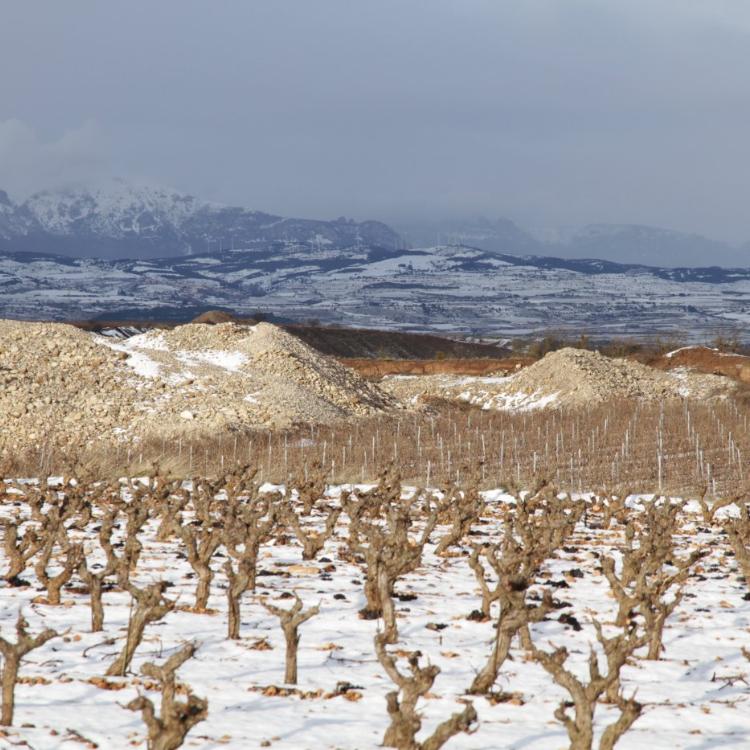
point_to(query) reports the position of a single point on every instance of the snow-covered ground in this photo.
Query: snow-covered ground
(487, 393)
(695, 697)
(440, 289)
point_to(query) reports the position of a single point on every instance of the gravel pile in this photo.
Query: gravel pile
(565, 378)
(65, 386)
(579, 376)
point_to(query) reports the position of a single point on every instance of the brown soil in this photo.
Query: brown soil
(710, 361)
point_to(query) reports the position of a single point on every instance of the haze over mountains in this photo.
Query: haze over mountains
(151, 253)
(619, 243)
(122, 220)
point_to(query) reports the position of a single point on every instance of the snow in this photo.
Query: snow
(137, 360)
(681, 375)
(671, 354)
(230, 361)
(388, 293)
(149, 340)
(475, 380)
(486, 392)
(143, 365)
(114, 207)
(205, 261)
(695, 697)
(515, 402)
(711, 349)
(521, 401)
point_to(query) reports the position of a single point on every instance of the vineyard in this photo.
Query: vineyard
(229, 613)
(244, 543)
(672, 447)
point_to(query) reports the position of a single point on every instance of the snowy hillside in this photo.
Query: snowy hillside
(61, 258)
(122, 220)
(114, 211)
(438, 289)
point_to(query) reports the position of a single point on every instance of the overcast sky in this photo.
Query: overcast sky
(550, 112)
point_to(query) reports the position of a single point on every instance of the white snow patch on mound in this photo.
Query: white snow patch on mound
(150, 340)
(230, 361)
(143, 365)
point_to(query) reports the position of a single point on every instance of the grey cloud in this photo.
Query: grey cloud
(27, 162)
(552, 112)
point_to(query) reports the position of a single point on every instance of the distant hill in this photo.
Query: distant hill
(447, 290)
(619, 243)
(121, 220)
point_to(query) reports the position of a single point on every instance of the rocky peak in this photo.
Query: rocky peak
(122, 220)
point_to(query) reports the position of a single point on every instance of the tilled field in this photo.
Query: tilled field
(693, 695)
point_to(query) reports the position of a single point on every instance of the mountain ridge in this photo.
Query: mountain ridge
(129, 221)
(187, 256)
(621, 243)
(118, 219)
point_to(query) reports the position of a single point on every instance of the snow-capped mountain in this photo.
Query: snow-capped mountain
(124, 220)
(14, 221)
(115, 211)
(121, 220)
(62, 257)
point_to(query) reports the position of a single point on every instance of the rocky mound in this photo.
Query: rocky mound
(568, 377)
(52, 379)
(63, 385)
(579, 376)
